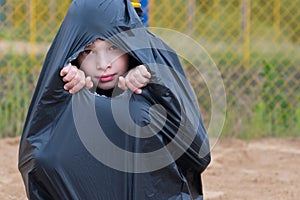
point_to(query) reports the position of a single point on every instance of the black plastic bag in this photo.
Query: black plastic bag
(87, 146)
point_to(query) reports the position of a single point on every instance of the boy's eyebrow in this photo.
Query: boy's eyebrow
(90, 45)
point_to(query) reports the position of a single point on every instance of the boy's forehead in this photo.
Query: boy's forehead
(93, 44)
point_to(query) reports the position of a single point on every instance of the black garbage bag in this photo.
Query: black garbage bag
(129, 146)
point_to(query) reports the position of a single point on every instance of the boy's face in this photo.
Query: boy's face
(104, 63)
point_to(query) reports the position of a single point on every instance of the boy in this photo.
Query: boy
(104, 65)
(86, 146)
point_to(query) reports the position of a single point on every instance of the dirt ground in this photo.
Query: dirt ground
(261, 169)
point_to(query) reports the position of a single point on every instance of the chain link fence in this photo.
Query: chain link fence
(254, 43)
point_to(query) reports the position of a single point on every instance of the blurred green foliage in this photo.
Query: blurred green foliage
(262, 92)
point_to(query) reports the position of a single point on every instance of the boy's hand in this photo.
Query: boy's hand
(75, 79)
(135, 79)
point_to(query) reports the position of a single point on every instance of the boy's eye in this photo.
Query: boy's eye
(113, 47)
(87, 51)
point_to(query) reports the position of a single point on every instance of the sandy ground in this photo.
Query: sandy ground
(11, 185)
(263, 169)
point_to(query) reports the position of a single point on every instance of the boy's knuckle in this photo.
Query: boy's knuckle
(82, 82)
(140, 67)
(131, 79)
(76, 79)
(74, 70)
(81, 73)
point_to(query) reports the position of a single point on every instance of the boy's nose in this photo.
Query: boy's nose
(103, 63)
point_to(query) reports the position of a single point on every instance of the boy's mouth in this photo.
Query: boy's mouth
(106, 78)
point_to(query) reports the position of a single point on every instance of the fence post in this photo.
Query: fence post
(191, 17)
(246, 12)
(276, 14)
(32, 26)
(216, 13)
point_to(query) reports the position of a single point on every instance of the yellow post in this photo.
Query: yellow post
(191, 11)
(32, 26)
(246, 13)
(136, 3)
(215, 10)
(276, 14)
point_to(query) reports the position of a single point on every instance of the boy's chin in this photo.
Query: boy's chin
(107, 86)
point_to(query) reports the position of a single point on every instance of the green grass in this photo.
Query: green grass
(18, 79)
(269, 108)
(262, 98)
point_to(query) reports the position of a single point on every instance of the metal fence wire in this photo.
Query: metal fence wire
(254, 43)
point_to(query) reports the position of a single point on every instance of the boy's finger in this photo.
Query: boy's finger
(65, 70)
(138, 91)
(70, 74)
(88, 82)
(147, 75)
(142, 77)
(75, 89)
(144, 72)
(75, 80)
(131, 84)
(70, 85)
(134, 85)
(139, 82)
(122, 83)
